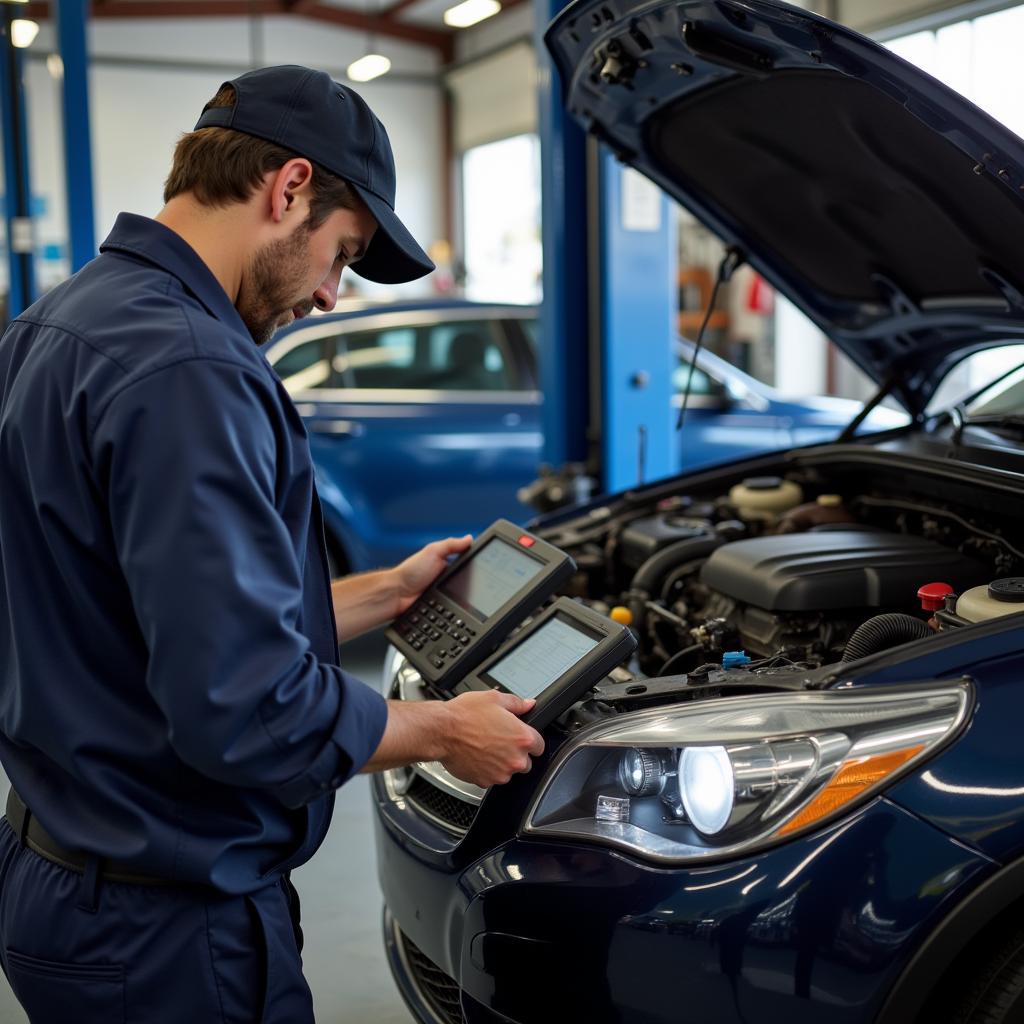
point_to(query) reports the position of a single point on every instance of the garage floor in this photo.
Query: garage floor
(341, 903)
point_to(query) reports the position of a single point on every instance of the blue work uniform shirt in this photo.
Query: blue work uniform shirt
(170, 696)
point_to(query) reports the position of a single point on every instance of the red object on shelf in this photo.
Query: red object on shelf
(933, 596)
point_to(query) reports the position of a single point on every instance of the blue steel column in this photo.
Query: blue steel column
(638, 308)
(564, 356)
(17, 200)
(71, 21)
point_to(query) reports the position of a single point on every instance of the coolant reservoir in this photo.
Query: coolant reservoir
(765, 497)
(1003, 597)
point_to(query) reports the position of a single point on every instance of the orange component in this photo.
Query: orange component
(850, 781)
(622, 615)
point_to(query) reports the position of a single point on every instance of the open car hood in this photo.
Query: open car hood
(885, 205)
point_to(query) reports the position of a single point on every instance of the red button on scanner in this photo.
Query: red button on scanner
(933, 596)
(526, 541)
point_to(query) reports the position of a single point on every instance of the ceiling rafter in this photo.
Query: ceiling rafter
(437, 39)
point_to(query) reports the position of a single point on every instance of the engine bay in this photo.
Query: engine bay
(807, 565)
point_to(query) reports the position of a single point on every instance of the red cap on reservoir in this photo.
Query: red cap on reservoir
(933, 596)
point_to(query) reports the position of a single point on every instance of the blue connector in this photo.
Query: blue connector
(735, 659)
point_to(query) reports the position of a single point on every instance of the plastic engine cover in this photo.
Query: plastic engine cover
(836, 569)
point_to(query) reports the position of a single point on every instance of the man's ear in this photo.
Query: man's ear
(289, 190)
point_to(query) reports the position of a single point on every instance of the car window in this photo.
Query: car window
(971, 375)
(377, 359)
(304, 367)
(468, 356)
(702, 384)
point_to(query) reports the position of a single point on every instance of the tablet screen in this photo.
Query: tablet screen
(535, 663)
(493, 576)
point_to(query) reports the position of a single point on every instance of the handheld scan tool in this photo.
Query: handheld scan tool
(556, 658)
(477, 601)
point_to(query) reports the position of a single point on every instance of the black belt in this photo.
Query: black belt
(36, 838)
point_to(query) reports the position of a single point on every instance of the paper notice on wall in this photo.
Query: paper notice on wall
(641, 202)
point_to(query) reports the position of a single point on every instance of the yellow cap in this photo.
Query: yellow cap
(622, 615)
(830, 500)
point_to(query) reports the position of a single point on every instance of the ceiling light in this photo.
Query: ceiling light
(373, 65)
(23, 32)
(470, 12)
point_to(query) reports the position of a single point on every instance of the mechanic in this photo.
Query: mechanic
(173, 718)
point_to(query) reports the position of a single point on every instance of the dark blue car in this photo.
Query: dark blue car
(803, 799)
(425, 419)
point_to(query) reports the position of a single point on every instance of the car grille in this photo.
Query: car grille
(455, 814)
(436, 987)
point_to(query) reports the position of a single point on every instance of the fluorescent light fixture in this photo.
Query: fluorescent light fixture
(470, 12)
(373, 65)
(23, 32)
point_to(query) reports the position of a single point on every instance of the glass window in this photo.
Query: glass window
(468, 357)
(701, 383)
(377, 359)
(501, 201)
(998, 367)
(304, 367)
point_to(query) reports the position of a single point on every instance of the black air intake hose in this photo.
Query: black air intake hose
(882, 632)
(650, 576)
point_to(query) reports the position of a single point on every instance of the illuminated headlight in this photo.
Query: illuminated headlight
(707, 787)
(732, 775)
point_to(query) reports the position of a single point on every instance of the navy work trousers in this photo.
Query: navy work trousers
(110, 953)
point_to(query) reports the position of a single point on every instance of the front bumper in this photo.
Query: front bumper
(530, 932)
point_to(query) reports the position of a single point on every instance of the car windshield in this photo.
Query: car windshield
(986, 383)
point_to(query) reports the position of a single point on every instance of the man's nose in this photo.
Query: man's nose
(326, 296)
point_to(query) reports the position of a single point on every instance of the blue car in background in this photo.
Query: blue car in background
(802, 801)
(425, 419)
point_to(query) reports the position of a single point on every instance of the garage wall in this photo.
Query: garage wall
(140, 109)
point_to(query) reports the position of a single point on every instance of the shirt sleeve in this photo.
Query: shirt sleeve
(193, 460)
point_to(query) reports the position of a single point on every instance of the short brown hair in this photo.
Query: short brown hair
(220, 166)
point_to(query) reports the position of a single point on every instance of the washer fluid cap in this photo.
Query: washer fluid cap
(735, 659)
(1010, 589)
(765, 497)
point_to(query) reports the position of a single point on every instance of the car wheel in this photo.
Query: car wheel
(995, 983)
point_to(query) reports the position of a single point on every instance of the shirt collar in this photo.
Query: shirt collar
(150, 240)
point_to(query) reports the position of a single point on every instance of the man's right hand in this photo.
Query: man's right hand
(477, 736)
(489, 743)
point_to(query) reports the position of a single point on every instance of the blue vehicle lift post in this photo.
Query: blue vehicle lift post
(71, 22)
(18, 195)
(607, 318)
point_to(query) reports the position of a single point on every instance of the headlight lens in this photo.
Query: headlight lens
(728, 776)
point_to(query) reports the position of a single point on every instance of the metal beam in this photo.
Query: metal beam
(71, 19)
(18, 195)
(564, 348)
(436, 39)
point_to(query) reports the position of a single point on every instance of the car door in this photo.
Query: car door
(421, 425)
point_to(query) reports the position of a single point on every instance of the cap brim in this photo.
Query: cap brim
(394, 256)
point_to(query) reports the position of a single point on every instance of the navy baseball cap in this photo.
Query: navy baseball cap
(310, 114)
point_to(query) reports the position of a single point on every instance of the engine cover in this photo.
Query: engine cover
(836, 569)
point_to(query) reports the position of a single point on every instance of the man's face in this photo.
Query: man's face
(286, 278)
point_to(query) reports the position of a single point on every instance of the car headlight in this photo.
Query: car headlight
(726, 776)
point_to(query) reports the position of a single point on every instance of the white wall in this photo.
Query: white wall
(138, 111)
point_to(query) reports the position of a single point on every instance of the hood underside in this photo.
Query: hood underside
(886, 206)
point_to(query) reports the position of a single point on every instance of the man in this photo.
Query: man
(172, 716)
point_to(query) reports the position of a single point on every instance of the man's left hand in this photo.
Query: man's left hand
(418, 571)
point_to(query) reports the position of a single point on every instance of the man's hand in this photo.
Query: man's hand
(477, 736)
(372, 598)
(418, 571)
(489, 743)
